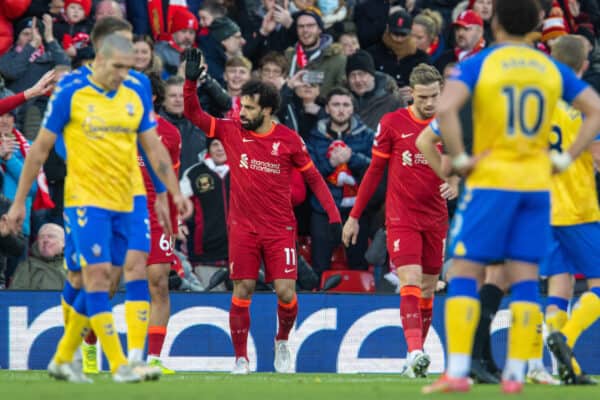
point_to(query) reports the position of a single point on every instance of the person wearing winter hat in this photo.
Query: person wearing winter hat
(552, 29)
(374, 93)
(182, 26)
(228, 34)
(223, 42)
(74, 30)
(316, 51)
(468, 31)
(397, 53)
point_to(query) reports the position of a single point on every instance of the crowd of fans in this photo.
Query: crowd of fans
(339, 65)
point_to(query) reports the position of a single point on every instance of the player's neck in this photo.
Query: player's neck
(266, 127)
(505, 38)
(415, 112)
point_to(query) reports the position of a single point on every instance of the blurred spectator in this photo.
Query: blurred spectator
(300, 105)
(183, 27)
(209, 11)
(444, 7)
(427, 31)
(207, 184)
(268, 29)
(370, 18)
(145, 60)
(31, 56)
(397, 53)
(13, 148)
(340, 147)
(158, 15)
(468, 30)
(193, 140)
(485, 9)
(43, 269)
(108, 8)
(349, 42)
(11, 244)
(316, 51)
(592, 75)
(375, 93)
(223, 42)
(10, 11)
(73, 30)
(301, 5)
(237, 72)
(273, 68)
(332, 11)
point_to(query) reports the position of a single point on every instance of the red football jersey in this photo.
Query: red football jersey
(171, 138)
(413, 189)
(261, 170)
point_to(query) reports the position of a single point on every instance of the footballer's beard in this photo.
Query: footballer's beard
(252, 124)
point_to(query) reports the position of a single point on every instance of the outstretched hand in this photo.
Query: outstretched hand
(193, 64)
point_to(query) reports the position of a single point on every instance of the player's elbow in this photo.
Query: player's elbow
(426, 140)
(595, 150)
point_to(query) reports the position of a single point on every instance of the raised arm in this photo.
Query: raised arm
(191, 104)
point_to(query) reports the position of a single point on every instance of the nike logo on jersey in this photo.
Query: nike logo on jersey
(287, 271)
(405, 135)
(247, 140)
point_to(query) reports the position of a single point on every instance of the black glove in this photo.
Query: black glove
(193, 64)
(335, 232)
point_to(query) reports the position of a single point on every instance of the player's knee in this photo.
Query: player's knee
(409, 276)
(159, 287)
(286, 295)
(243, 289)
(75, 279)
(135, 263)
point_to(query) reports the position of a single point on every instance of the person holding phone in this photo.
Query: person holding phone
(316, 51)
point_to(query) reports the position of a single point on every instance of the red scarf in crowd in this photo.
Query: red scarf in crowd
(42, 198)
(236, 107)
(433, 46)
(461, 54)
(301, 59)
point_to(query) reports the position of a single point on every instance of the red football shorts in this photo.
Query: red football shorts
(408, 246)
(161, 248)
(276, 249)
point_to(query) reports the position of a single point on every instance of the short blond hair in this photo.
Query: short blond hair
(570, 50)
(424, 74)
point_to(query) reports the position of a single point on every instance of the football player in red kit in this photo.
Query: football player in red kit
(161, 255)
(416, 211)
(261, 154)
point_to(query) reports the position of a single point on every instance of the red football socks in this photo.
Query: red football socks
(426, 306)
(410, 315)
(239, 324)
(156, 338)
(91, 338)
(286, 313)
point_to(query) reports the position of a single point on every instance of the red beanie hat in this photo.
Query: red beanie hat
(85, 4)
(553, 28)
(182, 19)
